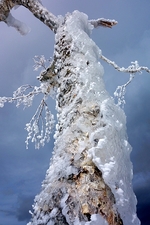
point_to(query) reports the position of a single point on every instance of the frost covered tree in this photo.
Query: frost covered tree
(89, 181)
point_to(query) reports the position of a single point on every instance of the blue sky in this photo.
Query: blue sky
(22, 171)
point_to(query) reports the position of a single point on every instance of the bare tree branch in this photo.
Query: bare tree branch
(34, 6)
(103, 22)
(5, 7)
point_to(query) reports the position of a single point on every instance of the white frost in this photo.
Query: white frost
(105, 141)
(96, 219)
(21, 27)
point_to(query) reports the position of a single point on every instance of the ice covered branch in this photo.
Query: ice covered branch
(39, 61)
(40, 126)
(41, 13)
(121, 90)
(20, 97)
(34, 6)
(132, 70)
(103, 22)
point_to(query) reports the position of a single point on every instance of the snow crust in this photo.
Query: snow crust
(105, 140)
(96, 219)
(21, 27)
(112, 153)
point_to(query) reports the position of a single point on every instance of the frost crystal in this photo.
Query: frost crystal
(40, 61)
(39, 128)
(120, 91)
(2, 101)
(132, 70)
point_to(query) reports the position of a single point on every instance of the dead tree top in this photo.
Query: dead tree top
(44, 15)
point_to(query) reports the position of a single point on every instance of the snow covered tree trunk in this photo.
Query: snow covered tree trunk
(90, 174)
(89, 179)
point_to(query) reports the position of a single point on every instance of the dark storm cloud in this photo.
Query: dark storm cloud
(139, 129)
(143, 196)
(143, 212)
(24, 204)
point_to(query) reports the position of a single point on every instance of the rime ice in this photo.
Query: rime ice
(89, 123)
(21, 27)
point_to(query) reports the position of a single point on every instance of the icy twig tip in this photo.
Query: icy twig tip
(103, 22)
